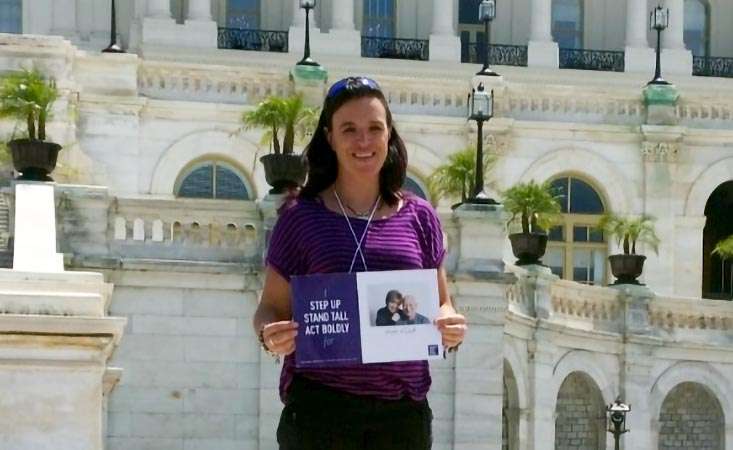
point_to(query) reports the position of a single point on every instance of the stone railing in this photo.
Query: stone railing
(704, 114)
(615, 311)
(94, 226)
(585, 307)
(425, 99)
(521, 104)
(192, 229)
(203, 83)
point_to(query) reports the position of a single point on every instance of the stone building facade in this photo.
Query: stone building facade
(547, 350)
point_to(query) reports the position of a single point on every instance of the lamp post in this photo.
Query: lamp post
(487, 13)
(307, 60)
(659, 20)
(113, 47)
(617, 420)
(482, 110)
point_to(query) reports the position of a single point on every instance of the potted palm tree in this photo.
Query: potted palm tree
(28, 96)
(629, 231)
(724, 249)
(291, 118)
(536, 208)
(454, 178)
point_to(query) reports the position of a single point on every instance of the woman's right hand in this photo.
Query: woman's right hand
(280, 336)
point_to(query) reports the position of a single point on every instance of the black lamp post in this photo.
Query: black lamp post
(113, 47)
(307, 60)
(487, 13)
(482, 110)
(617, 420)
(659, 20)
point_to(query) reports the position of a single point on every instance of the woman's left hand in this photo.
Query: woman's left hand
(452, 327)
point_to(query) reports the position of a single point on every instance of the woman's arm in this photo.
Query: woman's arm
(274, 314)
(452, 326)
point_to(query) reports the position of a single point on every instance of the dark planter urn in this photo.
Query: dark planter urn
(626, 268)
(528, 248)
(35, 160)
(284, 172)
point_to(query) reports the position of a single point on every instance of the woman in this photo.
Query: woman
(391, 313)
(352, 216)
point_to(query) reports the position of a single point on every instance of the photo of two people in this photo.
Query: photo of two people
(399, 309)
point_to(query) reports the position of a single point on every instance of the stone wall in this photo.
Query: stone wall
(691, 419)
(579, 423)
(191, 370)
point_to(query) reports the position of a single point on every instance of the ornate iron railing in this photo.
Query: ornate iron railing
(378, 47)
(258, 40)
(712, 66)
(583, 59)
(501, 55)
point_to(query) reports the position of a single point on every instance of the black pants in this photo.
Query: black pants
(320, 418)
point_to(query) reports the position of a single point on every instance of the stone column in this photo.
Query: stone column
(199, 10)
(480, 294)
(445, 46)
(688, 235)
(343, 15)
(638, 56)
(673, 36)
(676, 59)
(542, 50)
(344, 39)
(158, 9)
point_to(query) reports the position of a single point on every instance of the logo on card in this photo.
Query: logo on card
(432, 350)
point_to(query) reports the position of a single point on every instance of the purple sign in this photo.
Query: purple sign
(326, 306)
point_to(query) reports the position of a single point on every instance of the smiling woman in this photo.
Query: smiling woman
(352, 215)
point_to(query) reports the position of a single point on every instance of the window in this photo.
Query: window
(567, 23)
(697, 27)
(243, 14)
(415, 187)
(576, 249)
(379, 18)
(11, 16)
(215, 180)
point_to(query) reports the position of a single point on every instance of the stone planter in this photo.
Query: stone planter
(627, 268)
(35, 160)
(528, 248)
(284, 171)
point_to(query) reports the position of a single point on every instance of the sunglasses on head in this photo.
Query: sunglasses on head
(351, 83)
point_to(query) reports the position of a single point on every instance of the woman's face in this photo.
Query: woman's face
(393, 305)
(359, 135)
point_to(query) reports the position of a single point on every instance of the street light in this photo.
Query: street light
(307, 60)
(482, 110)
(617, 420)
(487, 13)
(113, 47)
(658, 20)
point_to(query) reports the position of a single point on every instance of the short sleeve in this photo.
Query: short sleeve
(284, 254)
(433, 251)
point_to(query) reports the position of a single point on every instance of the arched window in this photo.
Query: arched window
(212, 179)
(697, 27)
(567, 23)
(717, 274)
(11, 16)
(243, 14)
(415, 187)
(576, 249)
(379, 18)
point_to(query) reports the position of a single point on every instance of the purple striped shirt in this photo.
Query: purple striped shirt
(310, 238)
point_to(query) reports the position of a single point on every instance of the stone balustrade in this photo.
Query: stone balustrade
(206, 83)
(207, 230)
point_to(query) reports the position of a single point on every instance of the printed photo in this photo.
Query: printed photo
(398, 308)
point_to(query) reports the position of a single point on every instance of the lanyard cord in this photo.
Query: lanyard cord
(353, 233)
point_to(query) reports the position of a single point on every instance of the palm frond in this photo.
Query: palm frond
(629, 231)
(455, 178)
(724, 248)
(532, 204)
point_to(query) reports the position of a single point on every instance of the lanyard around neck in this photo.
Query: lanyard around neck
(357, 241)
